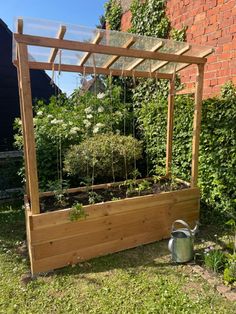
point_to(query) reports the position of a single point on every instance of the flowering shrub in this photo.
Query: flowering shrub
(104, 156)
(68, 121)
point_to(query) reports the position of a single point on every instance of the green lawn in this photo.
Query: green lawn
(140, 280)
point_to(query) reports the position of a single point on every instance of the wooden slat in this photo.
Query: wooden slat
(202, 55)
(27, 114)
(86, 240)
(170, 127)
(101, 224)
(20, 25)
(197, 124)
(140, 61)
(95, 187)
(54, 51)
(113, 59)
(96, 40)
(90, 70)
(93, 251)
(104, 49)
(108, 208)
(162, 64)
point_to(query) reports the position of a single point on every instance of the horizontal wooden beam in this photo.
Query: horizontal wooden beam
(96, 40)
(104, 49)
(139, 61)
(202, 55)
(162, 64)
(60, 35)
(90, 70)
(113, 59)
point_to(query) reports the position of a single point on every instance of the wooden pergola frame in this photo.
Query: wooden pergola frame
(24, 65)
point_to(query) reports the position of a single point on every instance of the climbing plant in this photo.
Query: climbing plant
(113, 13)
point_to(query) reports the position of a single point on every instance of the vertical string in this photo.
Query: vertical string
(124, 102)
(111, 111)
(95, 90)
(133, 125)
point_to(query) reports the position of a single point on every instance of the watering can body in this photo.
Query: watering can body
(181, 244)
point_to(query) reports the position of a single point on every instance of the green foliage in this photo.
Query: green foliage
(230, 270)
(113, 13)
(178, 34)
(217, 169)
(144, 185)
(67, 121)
(104, 155)
(149, 18)
(77, 212)
(232, 235)
(214, 260)
(94, 197)
(218, 151)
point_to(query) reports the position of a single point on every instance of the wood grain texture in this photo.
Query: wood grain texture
(197, 124)
(170, 126)
(27, 120)
(104, 49)
(55, 241)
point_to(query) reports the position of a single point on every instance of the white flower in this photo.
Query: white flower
(100, 109)
(117, 132)
(74, 130)
(100, 95)
(50, 116)
(95, 130)
(89, 116)
(55, 121)
(118, 113)
(88, 110)
(39, 113)
(99, 125)
(87, 123)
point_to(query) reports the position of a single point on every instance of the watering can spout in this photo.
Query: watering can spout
(195, 230)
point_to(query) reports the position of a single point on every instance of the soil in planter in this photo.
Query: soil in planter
(116, 192)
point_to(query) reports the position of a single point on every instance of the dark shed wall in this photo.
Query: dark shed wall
(9, 98)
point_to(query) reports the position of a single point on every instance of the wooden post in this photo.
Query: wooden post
(170, 125)
(23, 133)
(197, 124)
(28, 127)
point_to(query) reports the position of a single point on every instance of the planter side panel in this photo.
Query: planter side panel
(55, 241)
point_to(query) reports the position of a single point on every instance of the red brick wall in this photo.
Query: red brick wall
(213, 23)
(210, 22)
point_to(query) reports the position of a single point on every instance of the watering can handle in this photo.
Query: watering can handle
(182, 223)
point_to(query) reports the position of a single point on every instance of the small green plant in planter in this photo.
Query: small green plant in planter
(145, 185)
(77, 212)
(94, 197)
(60, 190)
(130, 186)
(214, 259)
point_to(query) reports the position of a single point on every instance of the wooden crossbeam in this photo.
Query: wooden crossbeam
(104, 49)
(113, 59)
(96, 41)
(138, 62)
(178, 53)
(202, 55)
(20, 24)
(60, 35)
(99, 70)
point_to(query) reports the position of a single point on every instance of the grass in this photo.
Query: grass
(140, 280)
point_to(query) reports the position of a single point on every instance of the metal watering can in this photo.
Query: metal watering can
(181, 242)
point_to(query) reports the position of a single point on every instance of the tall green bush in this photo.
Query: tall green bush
(217, 169)
(104, 157)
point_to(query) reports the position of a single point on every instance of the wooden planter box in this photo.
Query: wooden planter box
(55, 241)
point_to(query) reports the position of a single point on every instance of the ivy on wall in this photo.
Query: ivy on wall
(113, 13)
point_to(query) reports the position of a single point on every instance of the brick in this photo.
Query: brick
(211, 28)
(200, 17)
(225, 39)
